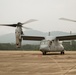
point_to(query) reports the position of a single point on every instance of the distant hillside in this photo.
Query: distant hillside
(34, 33)
(59, 33)
(10, 38)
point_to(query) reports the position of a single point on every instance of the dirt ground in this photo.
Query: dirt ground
(34, 63)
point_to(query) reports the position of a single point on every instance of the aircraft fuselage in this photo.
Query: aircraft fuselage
(51, 46)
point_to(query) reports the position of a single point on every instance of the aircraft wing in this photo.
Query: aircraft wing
(34, 38)
(68, 37)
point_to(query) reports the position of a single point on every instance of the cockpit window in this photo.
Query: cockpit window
(44, 42)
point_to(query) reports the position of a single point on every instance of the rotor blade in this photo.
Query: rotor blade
(12, 25)
(29, 21)
(67, 19)
(26, 27)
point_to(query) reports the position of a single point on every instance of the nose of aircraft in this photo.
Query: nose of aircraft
(44, 47)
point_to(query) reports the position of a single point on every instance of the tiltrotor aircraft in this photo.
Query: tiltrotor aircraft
(47, 44)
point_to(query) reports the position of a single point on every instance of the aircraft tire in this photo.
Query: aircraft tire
(44, 52)
(62, 52)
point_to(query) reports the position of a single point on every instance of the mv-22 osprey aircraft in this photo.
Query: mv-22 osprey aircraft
(47, 44)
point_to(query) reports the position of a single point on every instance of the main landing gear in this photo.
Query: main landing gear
(62, 52)
(44, 52)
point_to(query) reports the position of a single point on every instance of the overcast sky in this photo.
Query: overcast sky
(47, 12)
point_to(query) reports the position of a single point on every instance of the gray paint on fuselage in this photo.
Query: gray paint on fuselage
(51, 46)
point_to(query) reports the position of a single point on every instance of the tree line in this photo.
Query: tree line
(9, 46)
(71, 46)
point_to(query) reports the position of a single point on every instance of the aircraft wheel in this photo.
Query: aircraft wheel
(62, 52)
(44, 52)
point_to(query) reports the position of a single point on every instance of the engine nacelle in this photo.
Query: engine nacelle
(18, 37)
(18, 41)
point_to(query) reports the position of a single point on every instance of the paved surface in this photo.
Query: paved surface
(34, 63)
